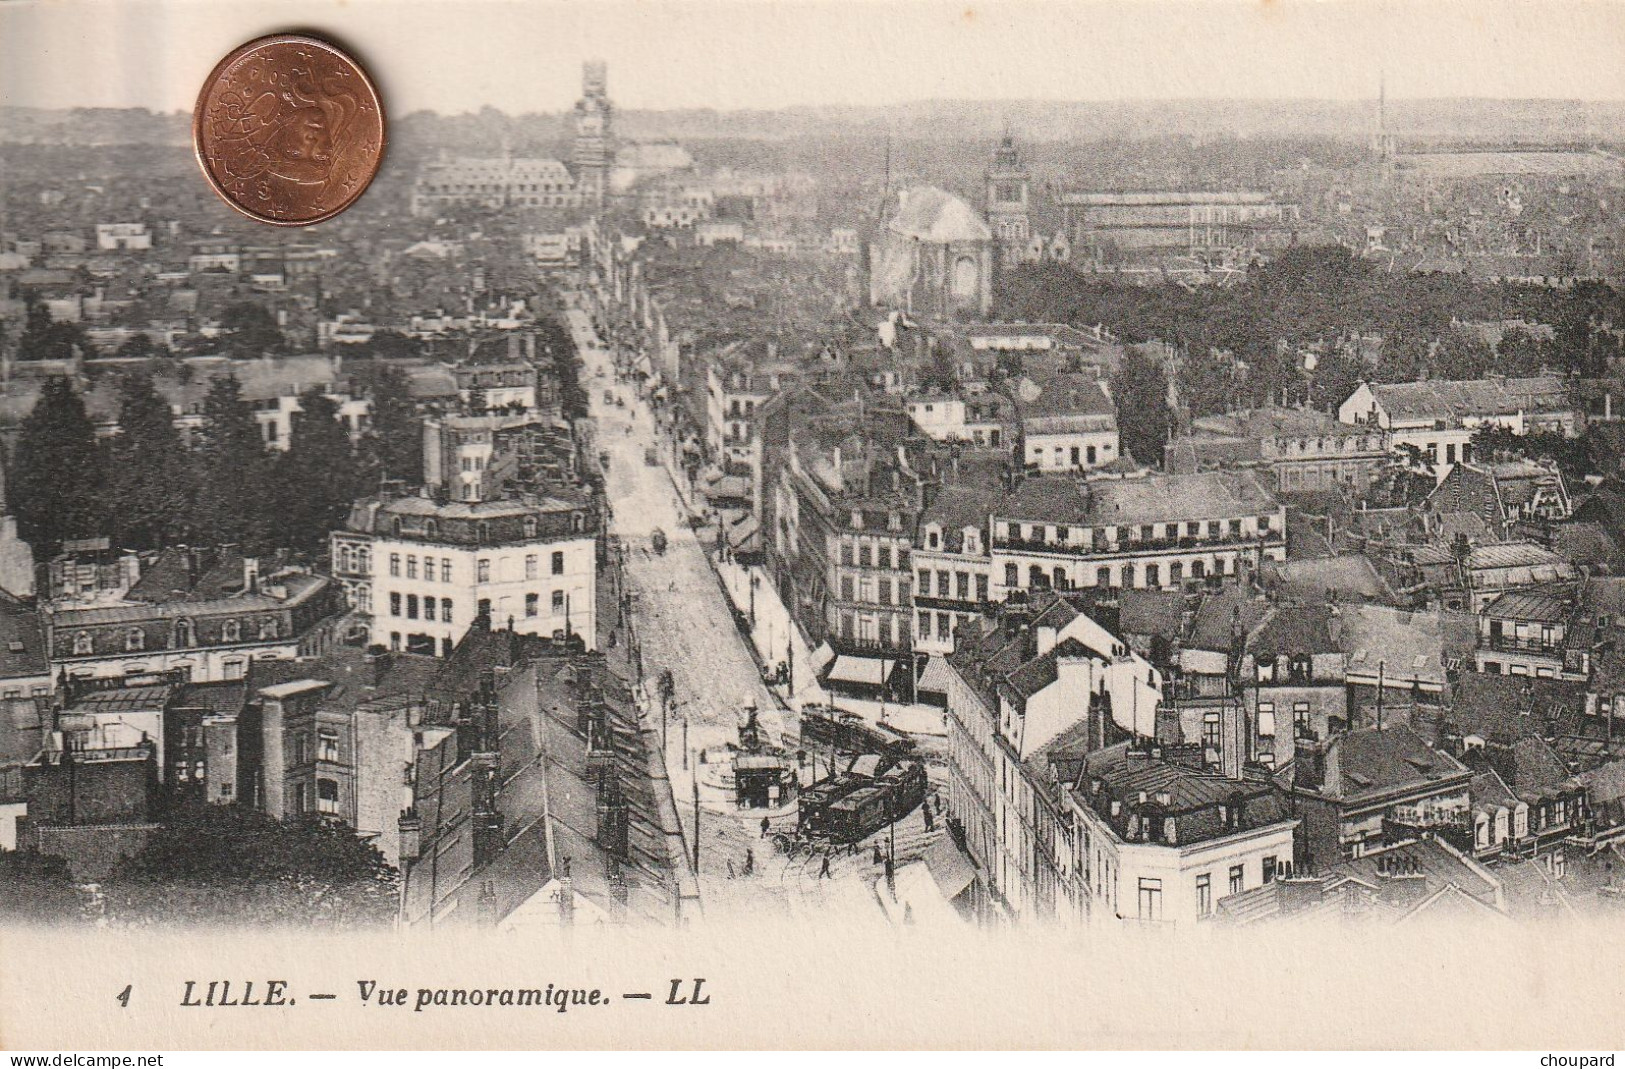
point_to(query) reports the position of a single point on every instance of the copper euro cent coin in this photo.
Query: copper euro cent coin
(288, 130)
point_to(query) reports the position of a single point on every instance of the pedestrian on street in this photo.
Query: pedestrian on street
(823, 873)
(929, 820)
(750, 861)
(765, 826)
(730, 870)
(879, 857)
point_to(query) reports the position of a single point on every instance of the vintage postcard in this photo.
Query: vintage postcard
(802, 524)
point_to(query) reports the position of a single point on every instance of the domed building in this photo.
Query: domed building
(934, 257)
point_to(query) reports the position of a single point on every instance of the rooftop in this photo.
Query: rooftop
(1153, 499)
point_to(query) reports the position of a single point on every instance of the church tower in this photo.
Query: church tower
(593, 133)
(1007, 206)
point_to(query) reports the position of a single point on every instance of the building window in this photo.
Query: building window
(482, 571)
(925, 582)
(533, 566)
(411, 606)
(411, 566)
(1238, 879)
(445, 610)
(530, 526)
(327, 745)
(184, 634)
(846, 588)
(428, 569)
(558, 602)
(981, 588)
(1153, 575)
(1212, 731)
(533, 604)
(231, 631)
(327, 797)
(1204, 895)
(234, 668)
(1270, 868)
(394, 603)
(428, 608)
(445, 570)
(82, 644)
(1266, 719)
(268, 628)
(134, 640)
(395, 564)
(558, 563)
(1150, 899)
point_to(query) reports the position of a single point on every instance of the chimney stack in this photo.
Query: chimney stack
(1309, 762)
(411, 828)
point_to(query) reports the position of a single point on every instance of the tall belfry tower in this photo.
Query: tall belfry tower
(1007, 205)
(593, 135)
(1382, 142)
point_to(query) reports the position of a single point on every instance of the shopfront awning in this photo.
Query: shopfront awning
(870, 671)
(950, 868)
(936, 675)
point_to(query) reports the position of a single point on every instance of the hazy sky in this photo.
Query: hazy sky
(525, 55)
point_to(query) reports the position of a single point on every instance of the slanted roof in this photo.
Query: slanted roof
(1455, 399)
(1373, 762)
(1532, 606)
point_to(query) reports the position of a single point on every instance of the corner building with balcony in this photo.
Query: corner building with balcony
(1151, 532)
(421, 570)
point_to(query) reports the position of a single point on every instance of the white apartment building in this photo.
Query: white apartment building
(1438, 418)
(1043, 685)
(1068, 424)
(422, 570)
(123, 236)
(1160, 844)
(1157, 531)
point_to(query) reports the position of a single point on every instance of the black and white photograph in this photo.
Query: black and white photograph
(1130, 475)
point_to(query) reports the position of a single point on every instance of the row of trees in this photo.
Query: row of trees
(219, 865)
(1245, 344)
(147, 486)
(247, 331)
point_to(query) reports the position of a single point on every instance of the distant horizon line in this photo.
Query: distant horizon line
(917, 102)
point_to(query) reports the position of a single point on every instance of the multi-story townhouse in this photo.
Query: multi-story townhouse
(1044, 686)
(1160, 844)
(1437, 418)
(183, 618)
(427, 568)
(1153, 531)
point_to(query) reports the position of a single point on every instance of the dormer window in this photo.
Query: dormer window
(231, 631)
(530, 526)
(184, 635)
(933, 538)
(268, 628)
(857, 520)
(135, 640)
(82, 644)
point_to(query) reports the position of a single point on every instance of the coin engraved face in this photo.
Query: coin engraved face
(288, 130)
